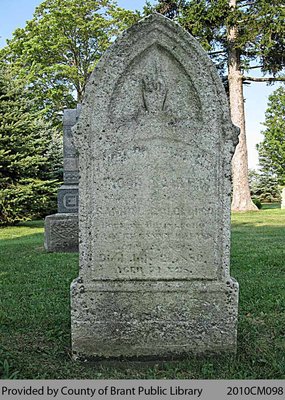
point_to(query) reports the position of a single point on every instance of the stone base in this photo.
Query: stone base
(152, 320)
(61, 233)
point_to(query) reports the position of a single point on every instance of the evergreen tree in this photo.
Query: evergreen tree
(239, 35)
(264, 186)
(29, 156)
(49, 63)
(272, 149)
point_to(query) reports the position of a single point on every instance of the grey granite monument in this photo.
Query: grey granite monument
(155, 144)
(61, 229)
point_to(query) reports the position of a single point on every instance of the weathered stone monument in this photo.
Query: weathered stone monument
(61, 229)
(283, 198)
(155, 143)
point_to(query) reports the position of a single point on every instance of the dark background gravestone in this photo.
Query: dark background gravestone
(61, 229)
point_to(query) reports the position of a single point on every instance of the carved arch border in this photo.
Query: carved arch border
(94, 115)
(161, 47)
(130, 45)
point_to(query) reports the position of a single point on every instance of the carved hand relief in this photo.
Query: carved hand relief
(154, 91)
(155, 83)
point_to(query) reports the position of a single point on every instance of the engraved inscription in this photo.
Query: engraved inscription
(130, 270)
(151, 218)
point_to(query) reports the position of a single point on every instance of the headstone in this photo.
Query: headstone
(283, 198)
(61, 229)
(68, 192)
(155, 145)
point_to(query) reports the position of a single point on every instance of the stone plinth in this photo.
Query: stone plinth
(61, 230)
(61, 233)
(155, 144)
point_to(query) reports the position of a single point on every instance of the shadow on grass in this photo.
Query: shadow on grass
(32, 224)
(270, 206)
(271, 217)
(35, 313)
(21, 230)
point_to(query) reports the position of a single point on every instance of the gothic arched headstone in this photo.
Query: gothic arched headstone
(155, 143)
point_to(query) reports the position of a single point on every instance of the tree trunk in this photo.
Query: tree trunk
(241, 200)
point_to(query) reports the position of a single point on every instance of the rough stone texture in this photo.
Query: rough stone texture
(283, 198)
(155, 143)
(61, 230)
(61, 233)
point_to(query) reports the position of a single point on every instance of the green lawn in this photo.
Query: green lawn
(34, 309)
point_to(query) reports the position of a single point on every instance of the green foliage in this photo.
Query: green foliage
(30, 155)
(264, 187)
(47, 63)
(267, 40)
(272, 149)
(260, 36)
(59, 47)
(28, 199)
(257, 202)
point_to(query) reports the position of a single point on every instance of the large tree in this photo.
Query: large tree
(272, 149)
(30, 155)
(48, 63)
(56, 50)
(239, 35)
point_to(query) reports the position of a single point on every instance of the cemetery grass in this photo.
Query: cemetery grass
(35, 316)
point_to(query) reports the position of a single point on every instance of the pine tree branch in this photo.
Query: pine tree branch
(212, 53)
(254, 67)
(251, 78)
(250, 3)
